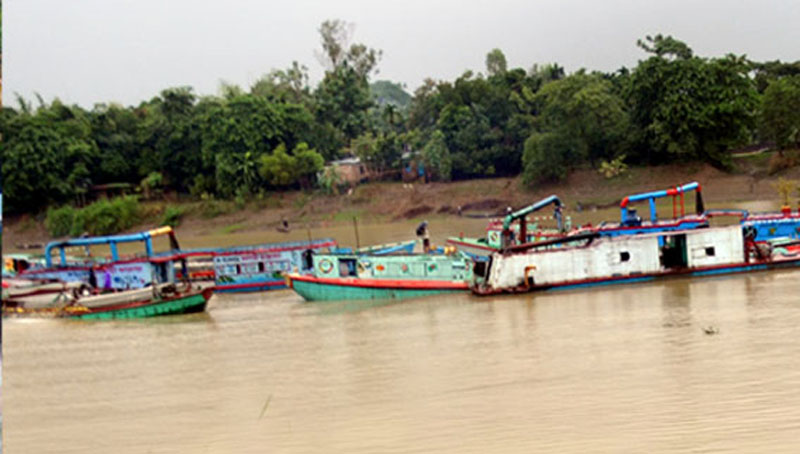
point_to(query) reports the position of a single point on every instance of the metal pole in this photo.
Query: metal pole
(355, 227)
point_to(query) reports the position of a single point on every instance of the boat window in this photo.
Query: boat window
(261, 267)
(347, 267)
(238, 269)
(624, 256)
(710, 251)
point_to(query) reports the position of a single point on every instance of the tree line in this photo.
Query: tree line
(539, 122)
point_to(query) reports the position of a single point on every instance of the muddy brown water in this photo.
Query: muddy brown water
(612, 369)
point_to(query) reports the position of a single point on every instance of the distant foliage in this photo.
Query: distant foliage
(277, 134)
(780, 112)
(59, 220)
(281, 169)
(437, 156)
(685, 107)
(581, 120)
(548, 157)
(387, 92)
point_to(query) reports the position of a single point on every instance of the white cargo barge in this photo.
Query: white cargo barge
(601, 260)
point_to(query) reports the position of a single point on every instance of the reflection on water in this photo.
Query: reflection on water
(617, 369)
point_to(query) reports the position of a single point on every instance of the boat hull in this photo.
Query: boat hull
(184, 304)
(257, 286)
(331, 289)
(738, 268)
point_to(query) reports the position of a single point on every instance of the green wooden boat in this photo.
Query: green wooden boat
(338, 277)
(176, 304)
(164, 299)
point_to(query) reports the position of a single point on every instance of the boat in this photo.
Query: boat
(514, 227)
(161, 299)
(603, 260)
(113, 273)
(352, 276)
(261, 267)
(766, 226)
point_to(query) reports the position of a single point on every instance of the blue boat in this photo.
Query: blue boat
(261, 267)
(115, 272)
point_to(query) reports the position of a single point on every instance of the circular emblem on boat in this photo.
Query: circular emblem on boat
(325, 265)
(493, 237)
(404, 268)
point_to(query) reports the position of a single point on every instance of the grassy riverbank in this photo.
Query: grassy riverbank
(215, 222)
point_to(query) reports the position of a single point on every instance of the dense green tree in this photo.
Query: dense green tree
(385, 92)
(281, 169)
(548, 156)
(169, 137)
(47, 156)
(780, 112)
(285, 86)
(342, 102)
(769, 71)
(232, 129)
(495, 62)
(686, 107)
(581, 119)
(342, 98)
(337, 50)
(115, 130)
(672, 106)
(437, 157)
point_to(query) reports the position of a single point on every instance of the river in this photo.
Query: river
(614, 369)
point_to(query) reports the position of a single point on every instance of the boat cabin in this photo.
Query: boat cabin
(599, 258)
(455, 267)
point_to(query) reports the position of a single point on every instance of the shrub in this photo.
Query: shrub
(106, 217)
(103, 217)
(59, 220)
(613, 168)
(172, 216)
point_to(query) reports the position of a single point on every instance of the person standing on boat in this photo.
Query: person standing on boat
(422, 233)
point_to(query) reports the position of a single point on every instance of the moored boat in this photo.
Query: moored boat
(359, 277)
(112, 273)
(261, 267)
(516, 229)
(163, 299)
(600, 260)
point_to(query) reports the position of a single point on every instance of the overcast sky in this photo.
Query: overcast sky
(126, 51)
